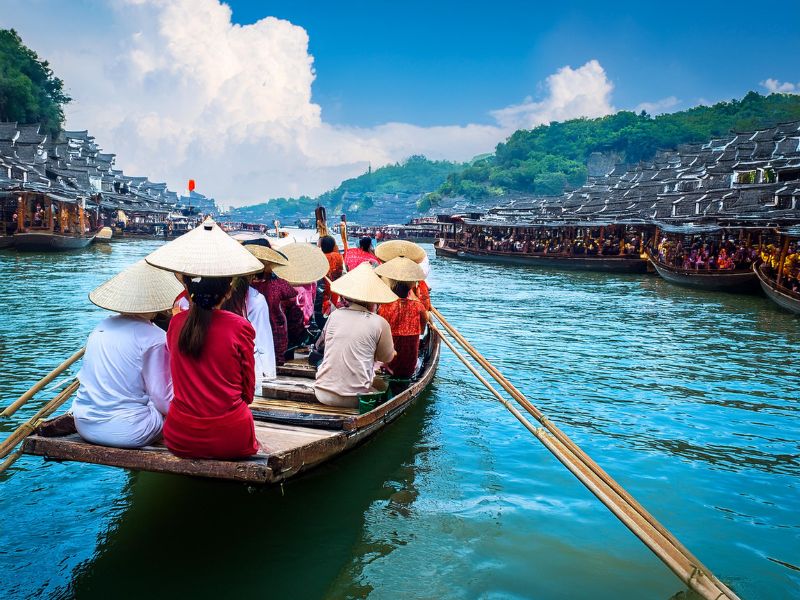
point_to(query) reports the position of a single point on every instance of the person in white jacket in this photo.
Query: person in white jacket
(125, 382)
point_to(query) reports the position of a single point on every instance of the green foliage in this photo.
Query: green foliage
(29, 91)
(549, 158)
(415, 175)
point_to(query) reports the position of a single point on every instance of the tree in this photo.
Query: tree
(29, 90)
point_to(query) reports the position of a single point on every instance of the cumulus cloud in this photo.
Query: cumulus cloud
(178, 91)
(659, 106)
(782, 87)
(582, 92)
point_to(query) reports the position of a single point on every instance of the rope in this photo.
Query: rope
(609, 492)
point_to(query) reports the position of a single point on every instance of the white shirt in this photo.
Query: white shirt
(258, 315)
(125, 368)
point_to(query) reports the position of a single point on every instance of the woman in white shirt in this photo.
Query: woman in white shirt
(126, 386)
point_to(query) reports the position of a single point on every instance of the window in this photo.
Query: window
(746, 177)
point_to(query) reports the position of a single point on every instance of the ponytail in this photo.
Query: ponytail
(205, 293)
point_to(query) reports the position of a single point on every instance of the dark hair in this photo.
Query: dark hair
(327, 244)
(365, 243)
(205, 293)
(236, 303)
(401, 288)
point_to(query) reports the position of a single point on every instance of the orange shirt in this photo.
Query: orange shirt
(405, 316)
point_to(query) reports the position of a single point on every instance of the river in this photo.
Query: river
(689, 399)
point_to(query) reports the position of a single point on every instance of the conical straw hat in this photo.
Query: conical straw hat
(394, 248)
(401, 269)
(307, 264)
(205, 251)
(268, 255)
(363, 285)
(138, 289)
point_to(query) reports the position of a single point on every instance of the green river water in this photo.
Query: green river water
(689, 399)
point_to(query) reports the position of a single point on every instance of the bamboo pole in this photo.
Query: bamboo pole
(662, 543)
(343, 232)
(14, 406)
(31, 424)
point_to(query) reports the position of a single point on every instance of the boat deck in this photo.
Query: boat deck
(295, 431)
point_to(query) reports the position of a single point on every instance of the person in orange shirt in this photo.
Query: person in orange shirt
(328, 246)
(407, 318)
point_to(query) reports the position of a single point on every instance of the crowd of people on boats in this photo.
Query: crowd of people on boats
(588, 245)
(770, 255)
(204, 322)
(701, 253)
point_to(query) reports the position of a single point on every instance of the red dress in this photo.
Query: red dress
(407, 319)
(280, 298)
(335, 269)
(209, 416)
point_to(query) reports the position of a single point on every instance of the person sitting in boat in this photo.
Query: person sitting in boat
(249, 303)
(354, 339)
(336, 268)
(212, 359)
(280, 296)
(126, 387)
(406, 316)
(364, 253)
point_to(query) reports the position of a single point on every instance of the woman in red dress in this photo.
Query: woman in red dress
(355, 256)
(213, 374)
(407, 319)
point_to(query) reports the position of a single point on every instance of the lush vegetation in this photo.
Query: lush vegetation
(29, 91)
(415, 175)
(550, 158)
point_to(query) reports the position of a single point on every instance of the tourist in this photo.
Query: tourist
(212, 351)
(249, 303)
(363, 253)
(125, 383)
(354, 339)
(406, 316)
(213, 371)
(335, 269)
(280, 297)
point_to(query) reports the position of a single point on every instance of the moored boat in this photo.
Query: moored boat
(781, 295)
(296, 432)
(47, 222)
(6, 241)
(736, 281)
(49, 241)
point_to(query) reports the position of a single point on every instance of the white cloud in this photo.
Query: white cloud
(774, 86)
(659, 106)
(581, 92)
(178, 91)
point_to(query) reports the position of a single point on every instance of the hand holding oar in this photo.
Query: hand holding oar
(14, 406)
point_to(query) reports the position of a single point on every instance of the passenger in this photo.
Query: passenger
(280, 297)
(406, 317)
(126, 387)
(354, 339)
(335, 269)
(355, 256)
(248, 302)
(213, 371)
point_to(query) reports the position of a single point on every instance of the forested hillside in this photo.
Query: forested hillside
(29, 91)
(549, 158)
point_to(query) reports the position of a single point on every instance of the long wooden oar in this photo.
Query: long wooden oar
(14, 406)
(608, 491)
(24, 430)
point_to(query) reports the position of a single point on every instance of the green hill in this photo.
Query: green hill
(550, 158)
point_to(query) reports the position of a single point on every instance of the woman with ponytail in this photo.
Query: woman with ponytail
(213, 372)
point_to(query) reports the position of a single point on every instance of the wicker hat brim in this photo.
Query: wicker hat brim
(401, 269)
(205, 251)
(394, 248)
(138, 289)
(267, 255)
(306, 264)
(363, 285)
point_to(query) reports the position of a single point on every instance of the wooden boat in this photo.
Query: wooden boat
(50, 241)
(6, 241)
(782, 296)
(298, 432)
(631, 263)
(737, 281)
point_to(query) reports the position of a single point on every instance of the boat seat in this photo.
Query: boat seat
(297, 367)
(284, 387)
(307, 414)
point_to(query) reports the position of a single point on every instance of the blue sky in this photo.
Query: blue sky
(452, 62)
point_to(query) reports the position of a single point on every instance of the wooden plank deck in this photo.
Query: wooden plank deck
(290, 388)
